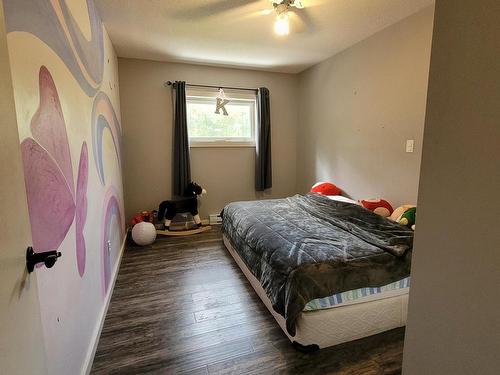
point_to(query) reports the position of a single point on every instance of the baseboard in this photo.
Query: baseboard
(89, 360)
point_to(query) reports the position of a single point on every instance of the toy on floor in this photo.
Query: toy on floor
(149, 216)
(144, 233)
(187, 203)
(326, 188)
(379, 206)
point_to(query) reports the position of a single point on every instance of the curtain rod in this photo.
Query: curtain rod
(170, 83)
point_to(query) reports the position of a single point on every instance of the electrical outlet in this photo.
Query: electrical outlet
(410, 144)
(109, 247)
(215, 219)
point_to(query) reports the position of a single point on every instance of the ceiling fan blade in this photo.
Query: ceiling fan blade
(303, 20)
(213, 8)
(297, 25)
(301, 4)
(267, 11)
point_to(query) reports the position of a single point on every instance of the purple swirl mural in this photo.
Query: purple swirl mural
(111, 211)
(104, 117)
(53, 23)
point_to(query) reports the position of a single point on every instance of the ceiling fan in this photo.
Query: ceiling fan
(282, 9)
(288, 12)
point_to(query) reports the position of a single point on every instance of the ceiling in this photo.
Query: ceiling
(237, 33)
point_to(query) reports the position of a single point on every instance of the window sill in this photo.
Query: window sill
(222, 145)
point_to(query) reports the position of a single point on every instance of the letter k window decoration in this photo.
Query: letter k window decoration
(221, 103)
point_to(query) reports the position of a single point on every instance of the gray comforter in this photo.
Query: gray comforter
(307, 247)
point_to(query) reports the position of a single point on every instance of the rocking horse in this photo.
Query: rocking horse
(188, 202)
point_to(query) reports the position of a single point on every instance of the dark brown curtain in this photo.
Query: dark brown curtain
(182, 167)
(263, 169)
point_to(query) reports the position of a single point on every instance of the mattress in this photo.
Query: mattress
(361, 295)
(328, 327)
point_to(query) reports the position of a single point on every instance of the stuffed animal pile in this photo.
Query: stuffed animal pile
(326, 188)
(148, 216)
(379, 206)
(404, 215)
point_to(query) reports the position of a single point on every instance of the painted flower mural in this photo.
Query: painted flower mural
(64, 73)
(52, 200)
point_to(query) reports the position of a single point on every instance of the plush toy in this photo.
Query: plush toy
(399, 211)
(326, 188)
(144, 233)
(379, 206)
(408, 217)
(148, 216)
(187, 203)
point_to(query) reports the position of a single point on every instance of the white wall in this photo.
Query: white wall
(454, 311)
(359, 107)
(227, 173)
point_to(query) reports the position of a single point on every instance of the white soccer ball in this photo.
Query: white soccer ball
(144, 233)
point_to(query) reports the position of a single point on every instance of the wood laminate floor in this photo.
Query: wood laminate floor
(183, 306)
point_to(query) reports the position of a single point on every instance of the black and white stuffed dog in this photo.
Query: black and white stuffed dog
(187, 203)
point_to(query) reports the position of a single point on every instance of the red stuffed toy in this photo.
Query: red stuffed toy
(143, 216)
(326, 188)
(379, 206)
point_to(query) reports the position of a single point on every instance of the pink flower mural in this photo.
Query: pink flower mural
(70, 144)
(52, 201)
(81, 209)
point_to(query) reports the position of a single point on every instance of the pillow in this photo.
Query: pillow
(379, 206)
(340, 198)
(326, 188)
(400, 211)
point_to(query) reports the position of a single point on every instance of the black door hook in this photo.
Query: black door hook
(48, 257)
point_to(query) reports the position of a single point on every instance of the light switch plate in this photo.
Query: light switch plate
(410, 143)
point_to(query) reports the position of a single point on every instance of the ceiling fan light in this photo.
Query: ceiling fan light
(282, 24)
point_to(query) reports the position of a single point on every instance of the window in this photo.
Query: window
(208, 129)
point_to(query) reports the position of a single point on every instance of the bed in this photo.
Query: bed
(328, 271)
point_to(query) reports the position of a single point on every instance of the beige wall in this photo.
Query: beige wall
(454, 312)
(358, 109)
(227, 173)
(20, 322)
